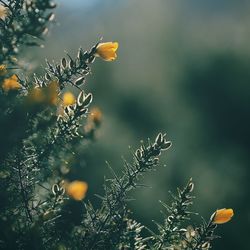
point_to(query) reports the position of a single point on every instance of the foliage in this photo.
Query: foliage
(40, 129)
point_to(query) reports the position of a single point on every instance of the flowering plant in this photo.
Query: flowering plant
(36, 191)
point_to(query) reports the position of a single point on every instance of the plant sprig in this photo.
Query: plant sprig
(24, 24)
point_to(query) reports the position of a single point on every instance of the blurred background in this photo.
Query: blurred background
(183, 68)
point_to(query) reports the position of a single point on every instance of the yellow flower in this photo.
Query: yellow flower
(222, 215)
(11, 83)
(46, 95)
(107, 51)
(3, 12)
(68, 99)
(3, 70)
(52, 93)
(77, 189)
(36, 95)
(95, 115)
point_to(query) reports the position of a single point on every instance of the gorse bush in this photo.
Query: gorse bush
(42, 123)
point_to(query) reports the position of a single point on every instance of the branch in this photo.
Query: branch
(114, 209)
(25, 22)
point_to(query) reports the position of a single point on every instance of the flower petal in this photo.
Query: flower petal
(223, 215)
(77, 189)
(107, 51)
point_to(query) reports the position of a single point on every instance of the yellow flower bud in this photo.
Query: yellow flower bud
(68, 99)
(222, 215)
(77, 189)
(3, 70)
(3, 12)
(107, 51)
(11, 84)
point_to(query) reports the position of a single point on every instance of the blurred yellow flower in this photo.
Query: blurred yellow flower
(68, 99)
(95, 115)
(77, 189)
(11, 83)
(107, 51)
(52, 93)
(47, 95)
(3, 12)
(36, 95)
(3, 70)
(222, 215)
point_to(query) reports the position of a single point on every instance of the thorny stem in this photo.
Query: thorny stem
(178, 213)
(16, 37)
(122, 191)
(24, 195)
(141, 167)
(4, 4)
(78, 67)
(203, 237)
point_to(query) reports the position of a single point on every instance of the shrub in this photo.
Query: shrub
(41, 121)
